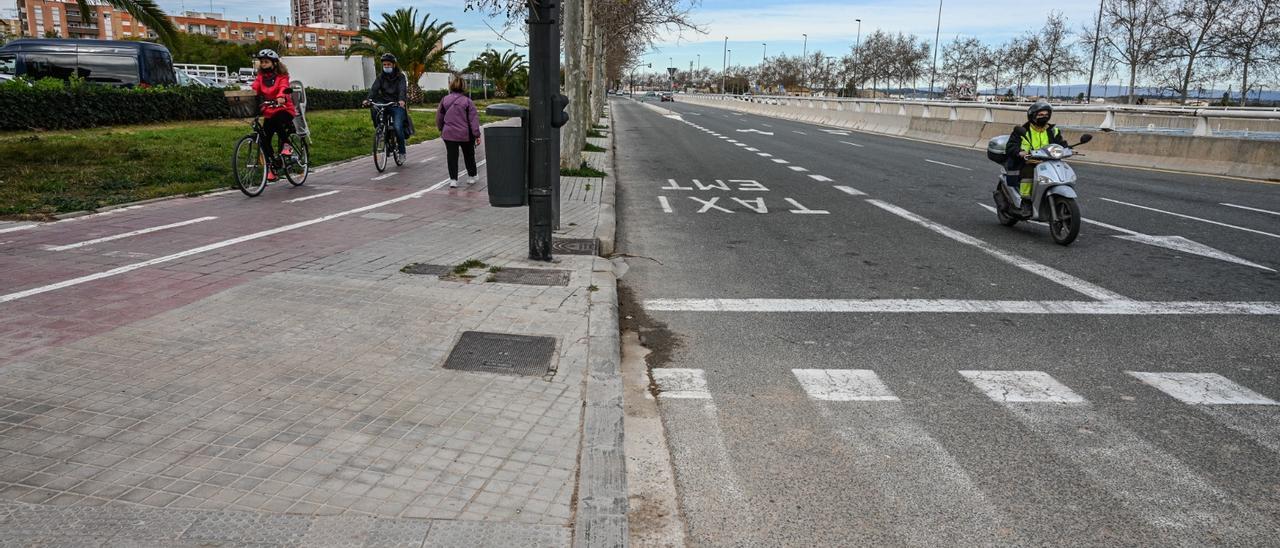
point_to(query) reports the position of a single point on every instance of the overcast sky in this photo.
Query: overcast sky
(748, 24)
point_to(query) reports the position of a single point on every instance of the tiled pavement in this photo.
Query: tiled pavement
(298, 397)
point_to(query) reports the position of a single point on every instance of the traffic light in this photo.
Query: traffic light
(559, 117)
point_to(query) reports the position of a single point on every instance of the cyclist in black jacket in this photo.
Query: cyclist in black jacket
(392, 87)
(1034, 135)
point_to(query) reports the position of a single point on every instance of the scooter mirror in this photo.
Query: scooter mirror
(1085, 138)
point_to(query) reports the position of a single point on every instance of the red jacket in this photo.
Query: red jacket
(270, 88)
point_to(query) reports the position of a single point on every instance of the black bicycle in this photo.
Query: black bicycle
(250, 166)
(386, 142)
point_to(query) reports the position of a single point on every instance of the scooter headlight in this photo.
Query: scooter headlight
(1055, 151)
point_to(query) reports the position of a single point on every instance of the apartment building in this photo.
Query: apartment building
(348, 14)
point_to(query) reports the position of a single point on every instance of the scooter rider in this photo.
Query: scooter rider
(1034, 135)
(392, 87)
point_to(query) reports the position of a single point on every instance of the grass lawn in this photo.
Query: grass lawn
(46, 173)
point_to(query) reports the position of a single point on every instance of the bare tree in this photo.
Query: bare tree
(1022, 53)
(1193, 29)
(993, 66)
(961, 62)
(1130, 35)
(1056, 57)
(1253, 39)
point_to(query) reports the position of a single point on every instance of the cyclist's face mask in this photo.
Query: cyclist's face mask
(387, 70)
(1042, 118)
(388, 67)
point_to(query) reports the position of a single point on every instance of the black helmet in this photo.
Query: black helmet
(267, 54)
(1037, 107)
(388, 57)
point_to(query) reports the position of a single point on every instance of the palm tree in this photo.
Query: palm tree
(144, 11)
(502, 68)
(417, 44)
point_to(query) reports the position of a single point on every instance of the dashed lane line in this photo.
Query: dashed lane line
(852, 144)
(948, 165)
(128, 234)
(16, 228)
(851, 191)
(822, 178)
(1184, 216)
(797, 168)
(381, 177)
(311, 197)
(1251, 208)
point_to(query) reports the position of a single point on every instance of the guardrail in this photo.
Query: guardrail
(1200, 121)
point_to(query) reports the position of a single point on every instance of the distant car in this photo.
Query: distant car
(123, 63)
(667, 96)
(650, 94)
(185, 79)
(246, 75)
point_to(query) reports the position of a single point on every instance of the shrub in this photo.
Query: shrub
(327, 99)
(54, 104)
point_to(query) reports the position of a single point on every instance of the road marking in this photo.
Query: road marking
(732, 140)
(1192, 218)
(843, 385)
(780, 161)
(16, 228)
(1021, 387)
(681, 384)
(752, 149)
(797, 168)
(1251, 209)
(837, 132)
(1203, 389)
(802, 210)
(1051, 274)
(666, 205)
(381, 177)
(426, 160)
(312, 197)
(764, 154)
(851, 191)
(708, 205)
(739, 144)
(852, 144)
(127, 234)
(1176, 243)
(210, 247)
(822, 178)
(955, 306)
(946, 164)
(753, 130)
(799, 132)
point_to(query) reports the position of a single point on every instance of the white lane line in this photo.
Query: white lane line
(16, 228)
(822, 178)
(425, 160)
(210, 247)
(1192, 218)
(739, 144)
(802, 210)
(766, 125)
(733, 140)
(799, 132)
(312, 197)
(666, 205)
(852, 144)
(843, 385)
(1251, 208)
(1122, 230)
(1203, 389)
(681, 384)
(851, 191)
(753, 149)
(1021, 387)
(1049, 273)
(956, 306)
(381, 177)
(128, 234)
(797, 168)
(780, 161)
(946, 164)
(764, 154)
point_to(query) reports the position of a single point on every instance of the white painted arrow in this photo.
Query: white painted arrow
(754, 130)
(1176, 243)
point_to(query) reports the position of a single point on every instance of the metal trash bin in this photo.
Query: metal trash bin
(508, 166)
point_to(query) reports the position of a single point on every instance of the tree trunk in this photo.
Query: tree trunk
(1244, 82)
(598, 82)
(1186, 78)
(572, 138)
(1133, 77)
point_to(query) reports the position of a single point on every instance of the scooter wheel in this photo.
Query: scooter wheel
(1065, 224)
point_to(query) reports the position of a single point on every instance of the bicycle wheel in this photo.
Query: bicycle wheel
(298, 166)
(249, 167)
(380, 149)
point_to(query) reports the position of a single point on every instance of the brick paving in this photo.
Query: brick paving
(288, 390)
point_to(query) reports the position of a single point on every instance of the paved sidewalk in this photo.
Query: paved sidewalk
(306, 403)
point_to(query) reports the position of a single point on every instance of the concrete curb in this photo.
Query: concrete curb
(600, 519)
(607, 228)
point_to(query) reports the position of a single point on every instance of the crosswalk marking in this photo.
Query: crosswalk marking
(843, 385)
(1203, 389)
(681, 384)
(1021, 387)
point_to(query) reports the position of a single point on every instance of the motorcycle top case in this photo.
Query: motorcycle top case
(995, 149)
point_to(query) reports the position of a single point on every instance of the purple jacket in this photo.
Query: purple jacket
(457, 118)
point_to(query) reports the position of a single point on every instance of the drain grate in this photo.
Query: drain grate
(502, 353)
(531, 276)
(575, 246)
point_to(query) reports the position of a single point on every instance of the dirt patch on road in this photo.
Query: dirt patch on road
(654, 335)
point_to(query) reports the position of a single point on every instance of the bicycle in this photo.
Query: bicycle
(249, 165)
(386, 142)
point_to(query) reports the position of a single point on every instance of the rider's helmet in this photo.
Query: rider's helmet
(1037, 107)
(268, 54)
(388, 57)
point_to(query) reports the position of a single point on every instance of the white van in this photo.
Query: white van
(246, 75)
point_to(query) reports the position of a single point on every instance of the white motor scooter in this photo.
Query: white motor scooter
(1053, 195)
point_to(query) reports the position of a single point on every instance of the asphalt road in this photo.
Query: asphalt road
(846, 401)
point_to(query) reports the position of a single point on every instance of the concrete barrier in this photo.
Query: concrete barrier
(1248, 158)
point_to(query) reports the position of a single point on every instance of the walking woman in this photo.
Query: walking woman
(459, 126)
(276, 98)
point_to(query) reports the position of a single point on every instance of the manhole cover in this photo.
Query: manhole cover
(531, 276)
(426, 269)
(574, 246)
(502, 353)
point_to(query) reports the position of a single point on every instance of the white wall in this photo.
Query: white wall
(434, 80)
(331, 71)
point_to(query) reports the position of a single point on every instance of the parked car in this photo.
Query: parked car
(110, 62)
(185, 79)
(246, 75)
(667, 96)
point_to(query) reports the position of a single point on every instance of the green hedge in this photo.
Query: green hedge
(53, 104)
(327, 99)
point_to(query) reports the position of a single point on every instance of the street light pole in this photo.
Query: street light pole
(1097, 33)
(857, 49)
(804, 61)
(937, 33)
(724, 71)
